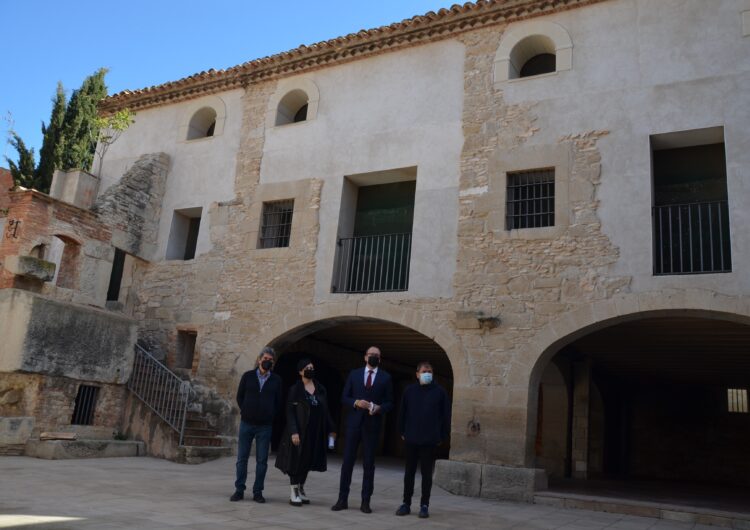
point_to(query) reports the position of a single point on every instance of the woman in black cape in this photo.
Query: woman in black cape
(303, 445)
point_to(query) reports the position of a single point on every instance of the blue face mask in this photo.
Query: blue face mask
(425, 378)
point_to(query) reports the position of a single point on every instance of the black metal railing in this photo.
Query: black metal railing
(161, 390)
(692, 238)
(371, 264)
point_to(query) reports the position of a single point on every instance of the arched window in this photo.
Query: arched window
(531, 49)
(202, 124)
(39, 251)
(295, 101)
(292, 107)
(203, 118)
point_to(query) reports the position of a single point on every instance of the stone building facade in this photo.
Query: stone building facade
(569, 284)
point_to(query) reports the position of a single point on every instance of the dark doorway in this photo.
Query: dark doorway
(649, 400)
(337, 346)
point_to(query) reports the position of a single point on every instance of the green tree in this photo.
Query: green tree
(110, 128)
(23, 171)
(80, 129)
(50, 155)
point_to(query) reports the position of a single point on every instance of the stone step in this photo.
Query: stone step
(200, 431)
(674, 512)
(197, 424)
(202, 441)
(69, 449)
(198, 455)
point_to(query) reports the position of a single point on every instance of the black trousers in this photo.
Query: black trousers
(424, 455)
(369, 439)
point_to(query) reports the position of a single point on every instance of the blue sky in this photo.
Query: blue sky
(147, 42)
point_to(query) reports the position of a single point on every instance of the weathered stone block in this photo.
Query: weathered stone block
(64, 449)
(30, 267)
(14, 431)
(459, 478)
(512, 483)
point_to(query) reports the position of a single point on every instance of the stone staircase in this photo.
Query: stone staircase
(173, 401)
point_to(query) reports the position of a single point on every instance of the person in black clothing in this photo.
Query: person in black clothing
(424, 424)
(259, 399)
(308, 420)
(368, 394)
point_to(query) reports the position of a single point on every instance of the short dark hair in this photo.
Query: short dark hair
(265, 351)
(424, 363)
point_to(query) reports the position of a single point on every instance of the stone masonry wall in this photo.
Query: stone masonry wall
(132, 207)
(51, 401)
(527, 280)
(235, 294)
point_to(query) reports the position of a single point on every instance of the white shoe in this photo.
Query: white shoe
(294, 499)
(302, 495)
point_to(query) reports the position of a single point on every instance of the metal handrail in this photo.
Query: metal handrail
(161, 390)
(692, 238)
(371, 264)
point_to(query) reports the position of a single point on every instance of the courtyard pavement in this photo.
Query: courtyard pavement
(148, 493)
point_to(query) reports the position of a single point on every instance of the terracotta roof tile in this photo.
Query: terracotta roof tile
(442, 24)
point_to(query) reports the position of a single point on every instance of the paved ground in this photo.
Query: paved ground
(147, 493)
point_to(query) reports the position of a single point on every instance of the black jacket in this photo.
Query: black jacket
(425, 415)
(258, 407)
(292, 459)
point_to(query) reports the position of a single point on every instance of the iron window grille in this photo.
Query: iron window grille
(737, 400)
(85, 405)
(530, 201)
(276, 224)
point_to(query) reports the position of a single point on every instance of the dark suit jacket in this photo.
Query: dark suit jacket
(381, 394)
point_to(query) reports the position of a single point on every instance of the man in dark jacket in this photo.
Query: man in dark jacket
(424, 423)
(368, 394)
(259, 399)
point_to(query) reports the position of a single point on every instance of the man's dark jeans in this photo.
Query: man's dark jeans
(262, 435)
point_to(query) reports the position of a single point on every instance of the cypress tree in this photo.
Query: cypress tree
(80, 130)
(23, 172)
(50, 155)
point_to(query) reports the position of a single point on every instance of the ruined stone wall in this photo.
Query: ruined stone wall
(51, 401)
(131, 209)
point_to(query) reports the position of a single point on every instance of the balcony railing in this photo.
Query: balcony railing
(692, 238)
(371, 264)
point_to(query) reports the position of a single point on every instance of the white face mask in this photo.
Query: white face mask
(425, 378)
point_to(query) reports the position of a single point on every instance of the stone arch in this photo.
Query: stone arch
(300, 322)
(605, 313)
(197, 117)
(290, 96)
(521, 42)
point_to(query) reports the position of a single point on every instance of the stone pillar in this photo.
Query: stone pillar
(581, 407)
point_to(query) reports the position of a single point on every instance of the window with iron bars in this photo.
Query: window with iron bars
(85, 406)
(276, 224)
(530, 199)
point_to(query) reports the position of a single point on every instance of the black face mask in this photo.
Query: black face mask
(267, 364)
(373, 361)
(309, 373)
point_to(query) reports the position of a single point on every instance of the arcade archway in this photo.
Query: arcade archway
(655, 398)
(337, 346)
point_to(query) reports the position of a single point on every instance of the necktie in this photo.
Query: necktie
(368, 385)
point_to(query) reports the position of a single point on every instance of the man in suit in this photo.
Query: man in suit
(368, 394)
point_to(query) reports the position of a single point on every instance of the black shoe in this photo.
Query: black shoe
(237, 496)
(258, 497)
(423, 512)
(404, 509)
(365, 507)
(340, 505)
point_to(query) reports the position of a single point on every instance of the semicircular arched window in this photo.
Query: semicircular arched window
(202, 124)
(292, 107)
(534, 55)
